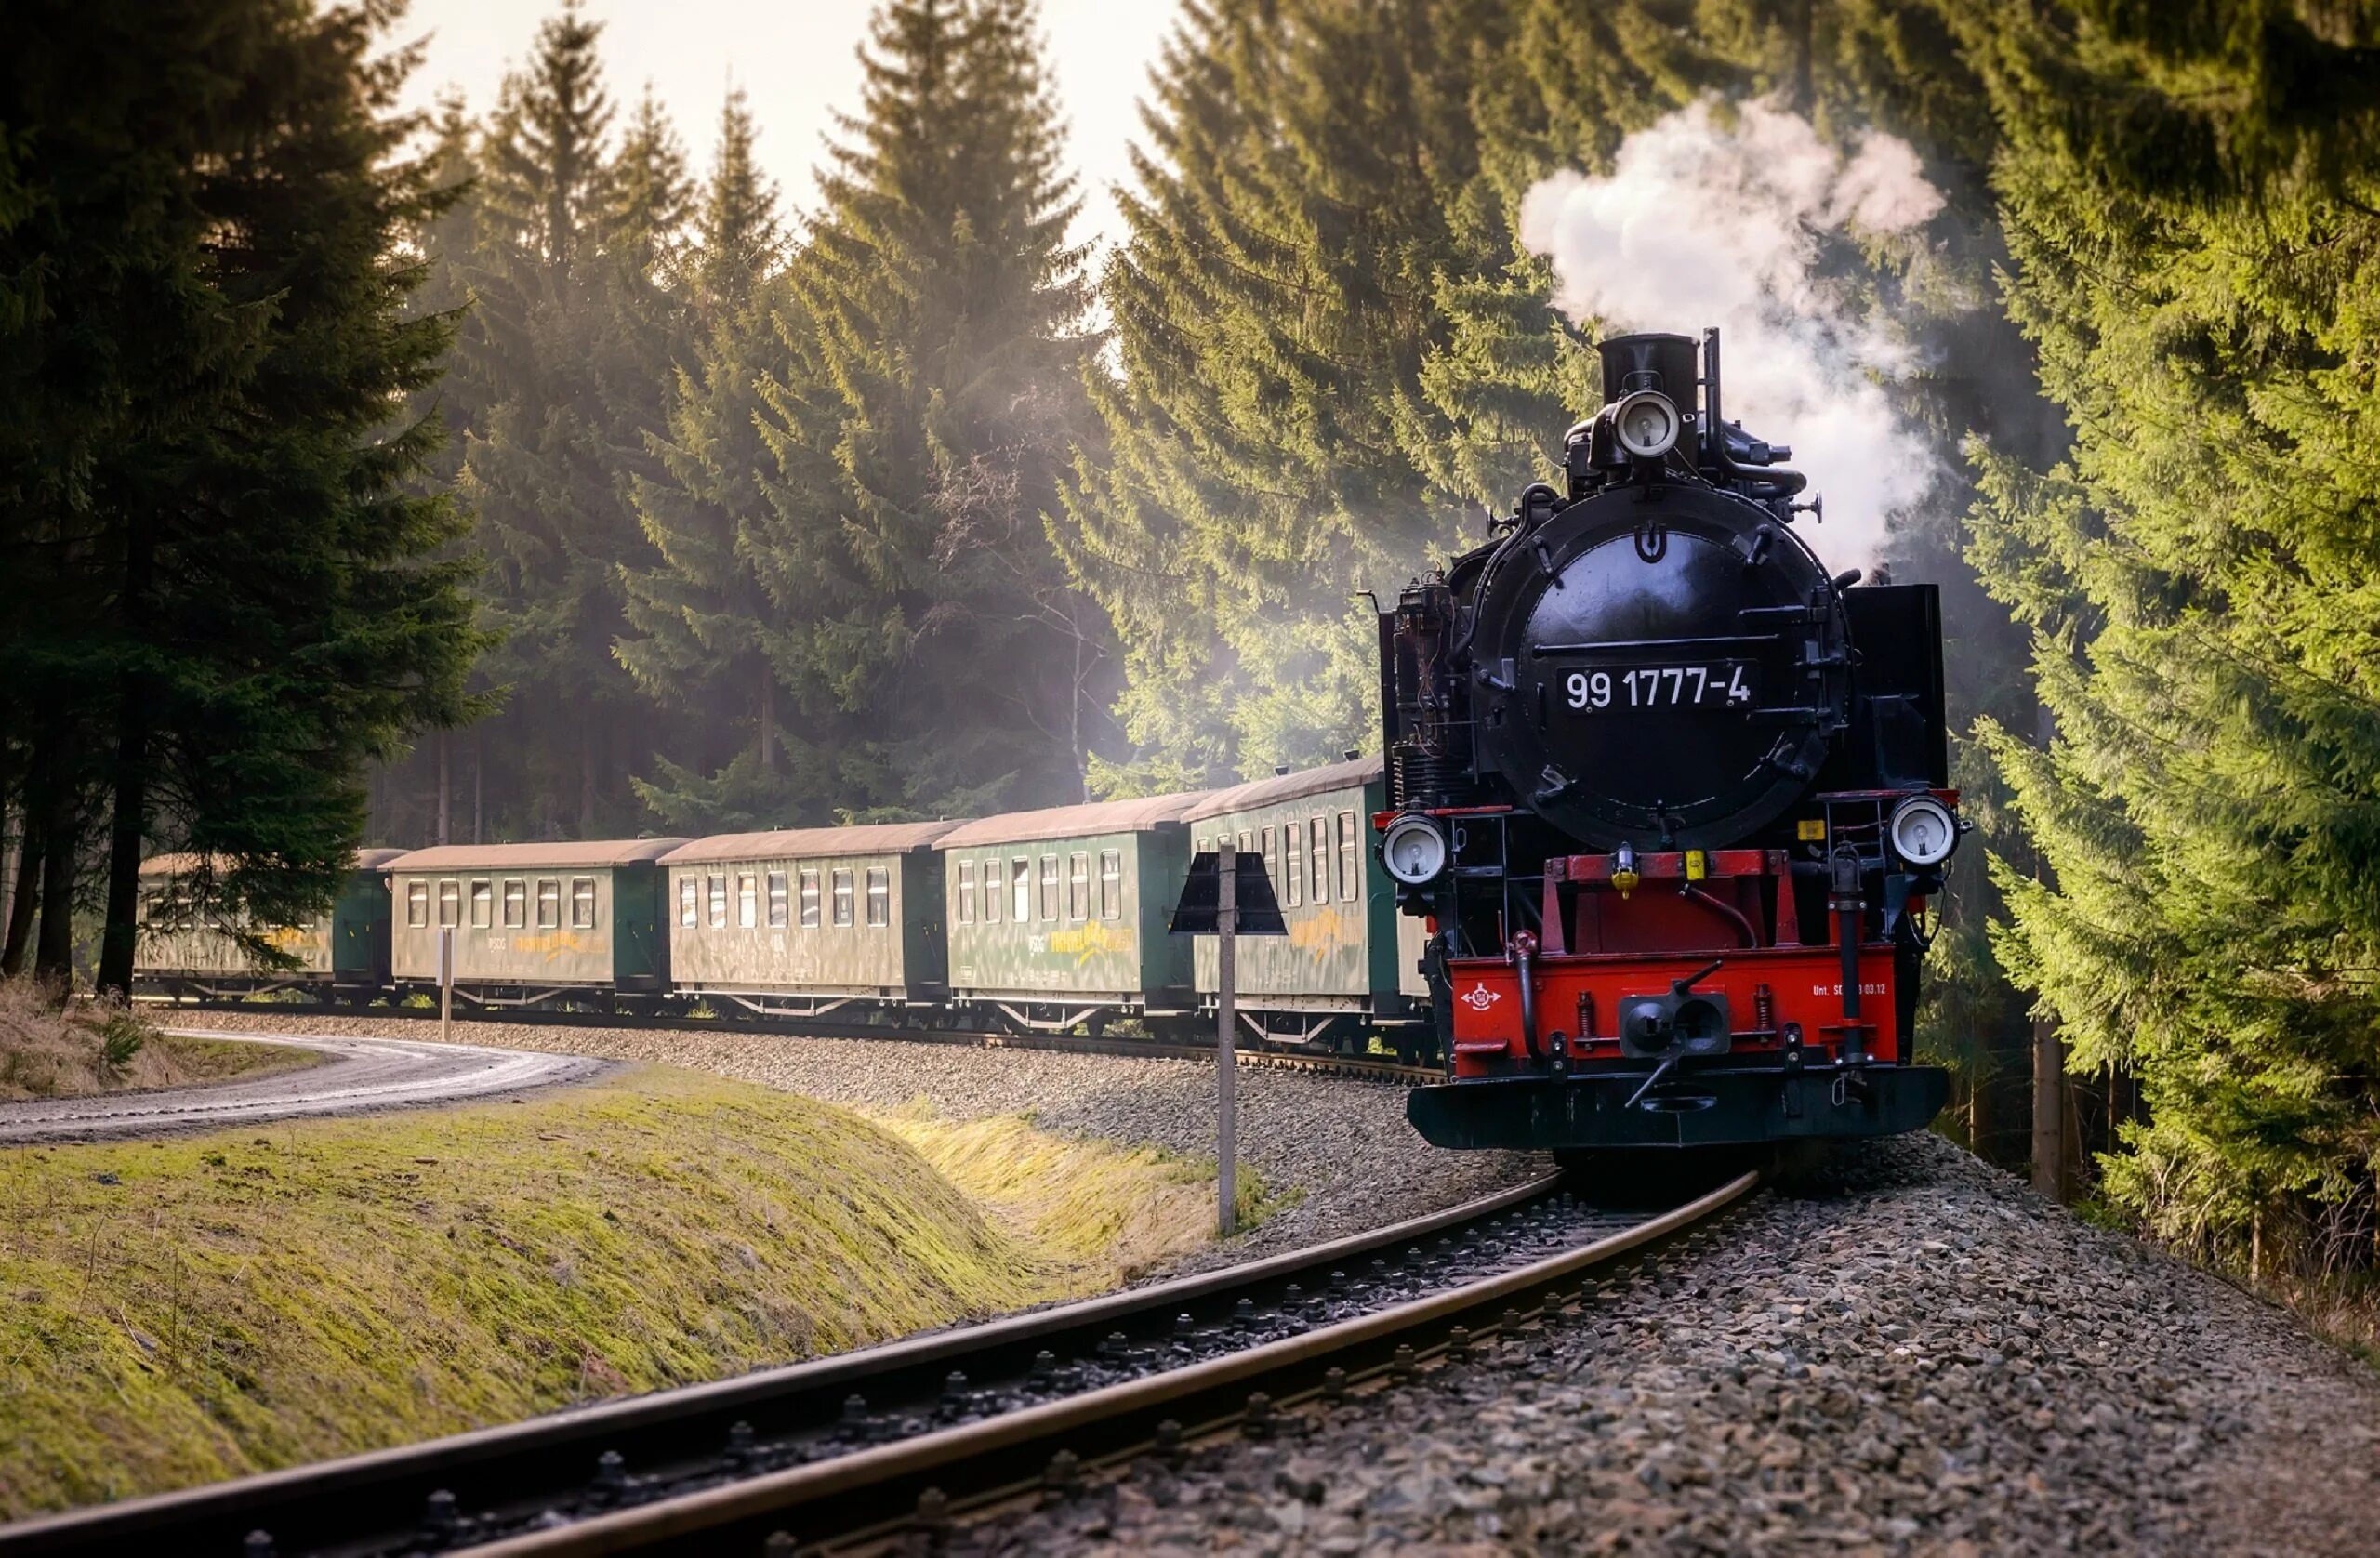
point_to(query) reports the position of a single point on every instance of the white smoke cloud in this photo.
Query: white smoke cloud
(1703, 223)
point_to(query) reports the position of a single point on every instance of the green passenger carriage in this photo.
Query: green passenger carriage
(1057, 918)
(345, 952)
(1350, 962)
(799, 921)
(533, 922)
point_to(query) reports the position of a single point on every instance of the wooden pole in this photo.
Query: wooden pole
(445, 984)
(1226, 1023)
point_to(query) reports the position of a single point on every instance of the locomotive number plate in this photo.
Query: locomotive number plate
(1711, 684)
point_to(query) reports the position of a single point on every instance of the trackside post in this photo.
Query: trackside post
(445, 984)
(1226, 897)
(1226, 1019)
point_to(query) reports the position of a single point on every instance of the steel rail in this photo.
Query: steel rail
(389, 1486)
(714, 1519)
(1366, 1068)
(373, 1502)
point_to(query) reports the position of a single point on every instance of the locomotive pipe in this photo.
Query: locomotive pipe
(1524, 960)
(1721, 906)
(1715, 432)
(1847, 910)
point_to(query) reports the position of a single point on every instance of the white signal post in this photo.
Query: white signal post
(1227, 1022)
(445, 982)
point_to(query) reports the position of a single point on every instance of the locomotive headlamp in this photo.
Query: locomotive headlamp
(1922, 831)
(1646, 424)
(1413, 849)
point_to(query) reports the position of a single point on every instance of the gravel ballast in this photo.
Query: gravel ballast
(1924, 1357)
(1339, 1146)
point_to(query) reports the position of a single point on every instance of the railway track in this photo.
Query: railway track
(1369, 1067)
(850, 1451)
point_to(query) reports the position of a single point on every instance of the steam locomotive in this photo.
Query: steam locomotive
(1670, 798)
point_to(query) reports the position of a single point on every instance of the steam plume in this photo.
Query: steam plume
(1700, 223)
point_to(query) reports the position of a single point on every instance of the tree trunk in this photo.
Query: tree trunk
(2049, 1049)
(1979, 1108)
(128, 816)
(445, 787)
(479, 770)
(127, 830)
(768, 719)
(54, 949)
(26, 899)
(587, 779)
(1074, 709)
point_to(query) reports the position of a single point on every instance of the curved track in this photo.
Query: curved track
(902, 1437)
(362, 1075)
(1377, 1068)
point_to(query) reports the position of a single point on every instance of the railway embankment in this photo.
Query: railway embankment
(1917, 1356)
(187, 1309)
(1335, 1152)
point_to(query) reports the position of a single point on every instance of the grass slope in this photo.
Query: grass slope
(1115, 1210)
(197, 1308)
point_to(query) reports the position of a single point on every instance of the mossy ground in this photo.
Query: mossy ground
(1116, 1211)
(183, 1310)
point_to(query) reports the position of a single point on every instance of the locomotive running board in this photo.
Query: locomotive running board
(1703, 1108)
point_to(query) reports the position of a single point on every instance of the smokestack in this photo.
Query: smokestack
(1651, 361)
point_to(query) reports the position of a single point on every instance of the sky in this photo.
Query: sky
(798, 62)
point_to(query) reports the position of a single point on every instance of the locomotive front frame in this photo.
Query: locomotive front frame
(1703, 925)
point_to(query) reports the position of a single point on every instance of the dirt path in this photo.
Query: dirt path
(362, 1075)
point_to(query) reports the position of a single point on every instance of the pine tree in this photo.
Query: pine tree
(1305, 407)
(244, 567)
(702, 631)
(576, 333)
(930, 399)
(2188, 198)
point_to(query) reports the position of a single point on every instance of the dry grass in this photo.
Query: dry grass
(82, 1047)
(183, 1310)
(1116, 1211)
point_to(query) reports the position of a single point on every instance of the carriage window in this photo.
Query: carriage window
(1020, 888)
(516, 904)
(995, 888)
(1079, 886)
(1049, 887)
(776, 900)
(747, 901)
(1111, 884)
(483, 904)
(1272, 861)
(582, 903)
(718, 893)
(449, 904)
(417, 904)
(690, 902)
(549, 903)
(880, 896)
(1293, 864)
(1246, 841)
(1318, 837)
(842, 898)
(1349, 881)
(966, 896)
(810, 899)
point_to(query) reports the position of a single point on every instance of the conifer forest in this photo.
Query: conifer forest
(536, 468)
